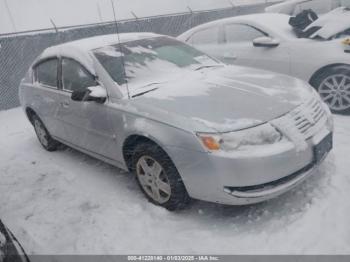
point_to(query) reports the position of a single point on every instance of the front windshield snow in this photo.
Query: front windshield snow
(150, 60)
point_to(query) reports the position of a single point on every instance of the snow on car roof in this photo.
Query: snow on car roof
(79, 50)
(91, 43)
(278, 23)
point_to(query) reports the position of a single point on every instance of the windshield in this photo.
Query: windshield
(150, 61)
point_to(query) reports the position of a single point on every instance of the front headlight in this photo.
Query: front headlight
(264, 134)
(330, 120)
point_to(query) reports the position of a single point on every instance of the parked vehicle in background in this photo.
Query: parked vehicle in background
(294, 7)
(184, 123)
(10, 249)
(267, 41)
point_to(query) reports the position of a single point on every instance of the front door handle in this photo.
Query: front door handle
(65, 104)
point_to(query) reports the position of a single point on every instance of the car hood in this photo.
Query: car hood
(223, 99)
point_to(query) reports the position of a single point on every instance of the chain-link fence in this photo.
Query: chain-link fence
(17, 52)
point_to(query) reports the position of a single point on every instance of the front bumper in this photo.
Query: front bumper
(247, 179)
(255, 194)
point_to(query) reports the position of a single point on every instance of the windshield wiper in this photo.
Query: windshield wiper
(206, 66)
(142, 93)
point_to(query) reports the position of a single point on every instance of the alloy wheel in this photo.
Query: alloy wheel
(335, 92)
(153, 179)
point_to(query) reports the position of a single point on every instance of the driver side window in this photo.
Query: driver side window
(75, 77)
(235, 33)
(209, 36)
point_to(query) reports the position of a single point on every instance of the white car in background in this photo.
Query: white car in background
(267, 41)
(294, 7)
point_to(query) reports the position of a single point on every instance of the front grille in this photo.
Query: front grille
(302, 123)
(309, 118)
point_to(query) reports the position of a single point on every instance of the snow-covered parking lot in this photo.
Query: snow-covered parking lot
(68, 203)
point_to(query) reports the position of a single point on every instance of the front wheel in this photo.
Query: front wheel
(334, 88)
(158, 177)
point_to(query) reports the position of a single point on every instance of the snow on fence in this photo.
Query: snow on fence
(17, 51)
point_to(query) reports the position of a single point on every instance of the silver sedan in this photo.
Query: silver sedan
(185, 124)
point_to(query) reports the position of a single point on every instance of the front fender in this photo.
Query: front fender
(162, 134)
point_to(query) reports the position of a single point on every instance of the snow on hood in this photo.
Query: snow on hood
(227, 99)
(332, 23)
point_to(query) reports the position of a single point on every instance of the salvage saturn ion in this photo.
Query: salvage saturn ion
(187, 125)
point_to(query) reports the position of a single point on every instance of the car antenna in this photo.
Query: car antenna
(119, 42)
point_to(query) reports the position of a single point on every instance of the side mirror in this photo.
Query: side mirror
(78, 95)
(266, 41)
(97, 94)
(93, 93)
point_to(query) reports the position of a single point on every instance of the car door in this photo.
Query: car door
(238, 48)
(88, 124)
(46, 94)
(207, 40)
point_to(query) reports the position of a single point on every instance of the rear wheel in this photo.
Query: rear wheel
(43, 135)
(333, 86)
(158, 177)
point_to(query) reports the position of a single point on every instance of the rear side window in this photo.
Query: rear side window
(46, 73)
(205, 37)
(241, 33)
(75, 77)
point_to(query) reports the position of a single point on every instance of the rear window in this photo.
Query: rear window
(46, 73)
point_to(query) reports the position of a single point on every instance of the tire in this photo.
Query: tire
(151, 162)
(43, 135)
(333, 85)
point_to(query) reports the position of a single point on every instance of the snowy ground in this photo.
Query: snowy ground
(68, 203)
